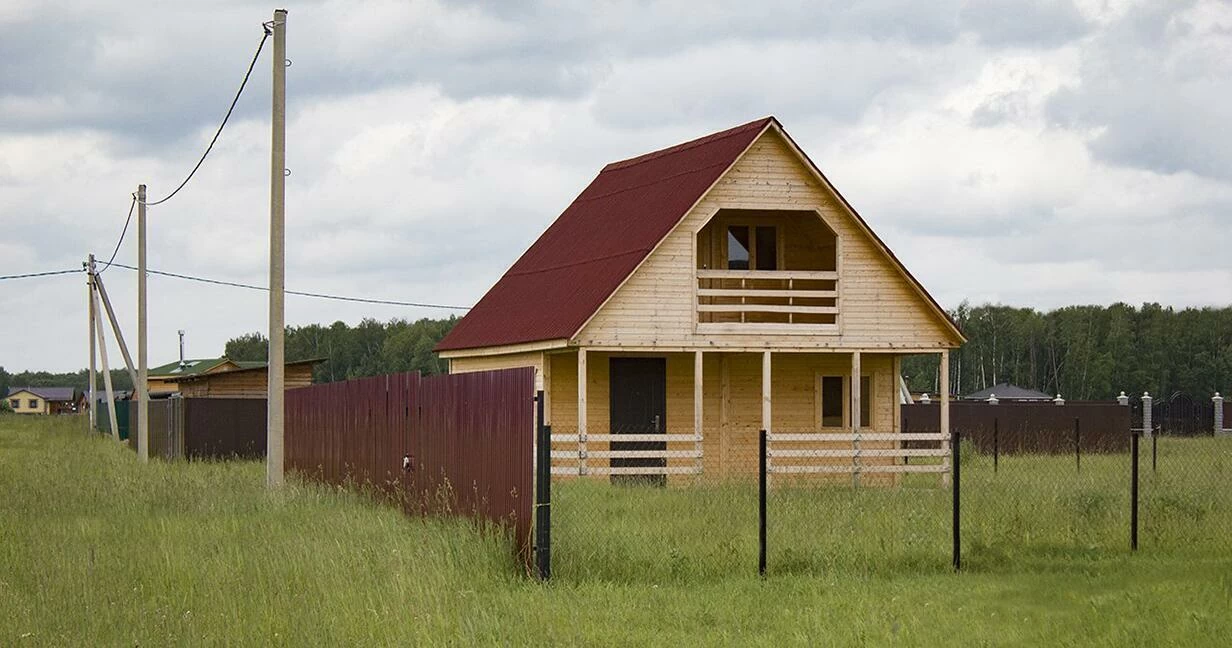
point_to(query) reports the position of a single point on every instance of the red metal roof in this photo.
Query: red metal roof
(608, 230)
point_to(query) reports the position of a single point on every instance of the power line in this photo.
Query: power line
(233, 284)
(30, 275)
(122, 233)
(220, 126)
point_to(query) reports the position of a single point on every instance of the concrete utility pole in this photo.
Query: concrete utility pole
(142, 386)
(101, 288)
(278, 163)
(102, 348)
(93, 351)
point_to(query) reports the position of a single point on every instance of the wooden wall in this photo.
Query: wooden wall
(243, 384)
(878, 307)
(731, 407)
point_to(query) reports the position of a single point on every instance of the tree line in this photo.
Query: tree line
(1087, 352)
(79, 380)
(1080, 352)
(369, 348)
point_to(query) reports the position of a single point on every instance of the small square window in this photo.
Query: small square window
(14, 403)
(33, 403)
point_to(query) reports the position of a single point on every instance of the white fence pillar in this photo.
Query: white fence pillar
(1218, 401)
(1058, 400)
(1146, 414)
(1122, 399)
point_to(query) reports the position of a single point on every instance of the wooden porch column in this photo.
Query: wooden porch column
(855, 418)
(765, 391)
(944, 385)
(698, 394)
(581, 410)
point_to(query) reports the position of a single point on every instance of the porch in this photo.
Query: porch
(683, 415)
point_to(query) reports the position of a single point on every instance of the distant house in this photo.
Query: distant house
(703, 292)
(161, 379)
(245, 380)
(45, 400)
(1008, 392)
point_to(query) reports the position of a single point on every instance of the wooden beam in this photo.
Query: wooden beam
(581, 410)
(698, 394)
(945, 414)
(855, 417)
(765, 391)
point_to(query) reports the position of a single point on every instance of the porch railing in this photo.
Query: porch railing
(804, 301)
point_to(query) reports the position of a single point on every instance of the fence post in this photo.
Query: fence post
(1217, 400)
(1077, 444)
(996, 444)
(761, 504)
(543, 494)
(1146, 414)
(1122, 399)
(957, 468)
(1133, 493)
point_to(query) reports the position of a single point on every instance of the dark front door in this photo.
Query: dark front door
(638, 405)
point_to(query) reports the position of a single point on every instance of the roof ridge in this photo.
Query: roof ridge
(684, 146)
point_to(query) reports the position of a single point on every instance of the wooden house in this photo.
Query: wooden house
(250, 381)
(45, 400)
(162, 379)
(705, 292)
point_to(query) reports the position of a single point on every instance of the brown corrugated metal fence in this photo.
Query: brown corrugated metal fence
(469, 438)
(1029, 427)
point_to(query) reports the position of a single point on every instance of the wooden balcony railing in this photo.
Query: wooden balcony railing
(791, 301)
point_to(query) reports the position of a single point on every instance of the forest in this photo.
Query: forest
(1080, 352)
(1087, 352)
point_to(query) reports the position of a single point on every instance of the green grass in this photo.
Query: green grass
(96, 549)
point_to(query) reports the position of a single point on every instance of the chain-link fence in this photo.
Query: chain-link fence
(1185, 492)
(628, 506)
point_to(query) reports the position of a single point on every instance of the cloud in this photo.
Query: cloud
(1033, 153)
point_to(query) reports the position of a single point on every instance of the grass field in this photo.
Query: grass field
(96, 549)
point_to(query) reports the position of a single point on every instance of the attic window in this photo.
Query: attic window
(752, 248)
(738, 247)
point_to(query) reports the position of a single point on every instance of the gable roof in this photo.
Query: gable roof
(598, 241)
(48, 393)
(244, 367)
(1006, 391)
(608, 231)
(191, 367)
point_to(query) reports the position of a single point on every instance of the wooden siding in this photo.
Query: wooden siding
(243, 384)
(879, 309)
(471, 364)
(731, 408)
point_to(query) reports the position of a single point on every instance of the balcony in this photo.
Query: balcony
(767, 301)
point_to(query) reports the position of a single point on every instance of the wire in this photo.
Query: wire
(122, 233)
(30, 275)
(220, 126)
(362, 300)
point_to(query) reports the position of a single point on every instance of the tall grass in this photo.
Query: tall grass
(97, 549)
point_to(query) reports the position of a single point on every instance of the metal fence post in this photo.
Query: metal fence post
(761, 504)
(996, 444)
(954, 449)
(543, 494)
(1133, 493)
(1077, 444)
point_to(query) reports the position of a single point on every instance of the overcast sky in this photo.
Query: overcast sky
(1033, 153)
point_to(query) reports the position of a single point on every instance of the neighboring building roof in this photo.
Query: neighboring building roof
(1006, 391)
(48, 393)
(251, 366)
(605, 234)
(191, 367)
